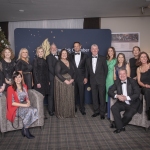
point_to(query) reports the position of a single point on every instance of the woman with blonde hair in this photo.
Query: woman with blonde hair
(8, 65)
(24, 67)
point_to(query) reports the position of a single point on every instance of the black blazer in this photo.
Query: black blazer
(51, 61)
(99, 77)
(81, 71)
(133, 91)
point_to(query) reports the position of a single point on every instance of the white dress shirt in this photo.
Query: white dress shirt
(124, 92)
(94, 62)
(56, 56)
(77, 59)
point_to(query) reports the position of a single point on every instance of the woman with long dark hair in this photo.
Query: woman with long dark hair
(64, 88)
(143, 77)
(18, 104)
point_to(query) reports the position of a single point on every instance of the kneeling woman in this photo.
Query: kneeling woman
(18, 104)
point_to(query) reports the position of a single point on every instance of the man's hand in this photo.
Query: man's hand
(85, 80)
(121, 98)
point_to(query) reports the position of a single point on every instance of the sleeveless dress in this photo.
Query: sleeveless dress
(145, 78)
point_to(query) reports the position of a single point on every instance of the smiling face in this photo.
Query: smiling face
(40, 53)
(122, 75)
(18, 79)
(136, 52)
(94, 50)
(110, 52)
(24, 54)
(64, 55)
(77, 47)
(143, 59)
(120, 58)
(53, 49)
(7, 54)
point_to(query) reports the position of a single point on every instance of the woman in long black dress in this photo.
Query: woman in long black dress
(24, 67)
(143, 77)
(64, 89)
(40, 73)
(132, 62)
(8, 65)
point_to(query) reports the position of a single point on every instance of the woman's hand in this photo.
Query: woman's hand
(72, 80)
(8, 81)
(67, 82)
(39, 85)
(147, 86)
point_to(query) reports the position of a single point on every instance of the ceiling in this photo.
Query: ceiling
(70, 9)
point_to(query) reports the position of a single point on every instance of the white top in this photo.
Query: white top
(77, 58)
(94, 62)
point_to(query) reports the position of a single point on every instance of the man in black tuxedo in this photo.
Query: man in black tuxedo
(97, 68)
(79, 60)
(127, 93)
(51, 60)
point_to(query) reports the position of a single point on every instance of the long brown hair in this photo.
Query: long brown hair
(61, 54)
(138, 62)
(124, 63)
(114, 56)
(14, 86)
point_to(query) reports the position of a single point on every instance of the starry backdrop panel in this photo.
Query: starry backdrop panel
(31, 38)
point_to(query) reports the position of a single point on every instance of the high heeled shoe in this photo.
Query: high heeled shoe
(31, 134)
(27, 134)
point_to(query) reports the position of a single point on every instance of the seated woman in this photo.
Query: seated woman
(121, 64)
(143, 77)
(2, 81)
(64, 89)
(18, 104)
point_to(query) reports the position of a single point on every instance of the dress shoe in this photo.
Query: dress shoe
(102, 117)
(95, 115)
(51, 113)
(119, 130)
(83, 112)
(112, 125)
(27, 134)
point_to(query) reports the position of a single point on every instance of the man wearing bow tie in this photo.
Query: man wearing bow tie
(97, 68)
(79, 60)
(51, 60)
(127, 93)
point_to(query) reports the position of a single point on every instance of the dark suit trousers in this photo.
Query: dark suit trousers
(98, 93)
(79, 93)
(127, 116)
(51, 97)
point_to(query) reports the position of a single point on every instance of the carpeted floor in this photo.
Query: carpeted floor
(80, 133)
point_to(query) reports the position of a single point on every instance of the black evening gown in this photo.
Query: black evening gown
(145, 78)
(8, 68)
(41, 75)
(26, 69)
(133, 67)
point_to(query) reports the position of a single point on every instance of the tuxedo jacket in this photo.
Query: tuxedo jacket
(99, 77)
(81, 71)
(133, 91)
(51, 61)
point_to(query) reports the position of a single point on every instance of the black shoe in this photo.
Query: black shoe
(102, 117)
(51, 113)
(75, 109)
(27, 134)
(83, 112)
(31, 134)
(119, 130)
(45, 117)
(22, 132)
(95, 115)
(112, 125)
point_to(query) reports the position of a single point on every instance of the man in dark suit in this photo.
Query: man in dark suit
(127, 93)
(79, 60)
(51, 60)
(97, 68)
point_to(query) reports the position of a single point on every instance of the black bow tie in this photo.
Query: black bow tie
(77, 53)
(123, 82)
(94, 56)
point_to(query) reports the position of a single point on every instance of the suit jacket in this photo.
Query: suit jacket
(51, 61)
(133, 91)
(81, 71)
(99, 77)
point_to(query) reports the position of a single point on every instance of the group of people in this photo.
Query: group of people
(63, 77)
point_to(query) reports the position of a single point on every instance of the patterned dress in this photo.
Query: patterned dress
(27, 114)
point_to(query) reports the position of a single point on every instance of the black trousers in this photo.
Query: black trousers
(98, 93)
(51, 97)
(128, 114)
(79, 93)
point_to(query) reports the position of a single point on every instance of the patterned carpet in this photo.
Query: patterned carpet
(80, 133)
